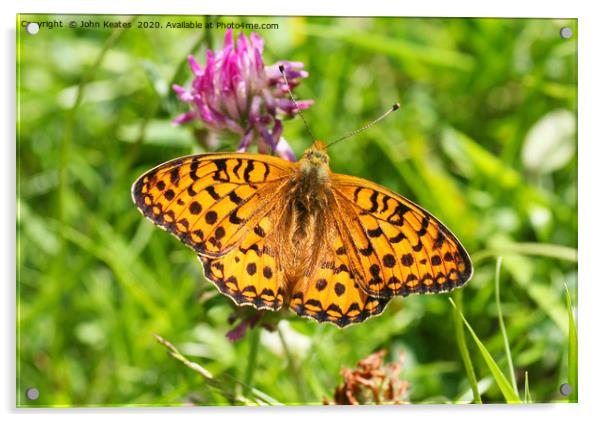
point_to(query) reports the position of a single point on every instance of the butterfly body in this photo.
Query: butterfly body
(273, 233)
(304, 218)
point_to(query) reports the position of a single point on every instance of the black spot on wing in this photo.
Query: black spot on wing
(211, 191)
(234, 197)
(398, 238)
(237, 167)
(356, 194)
(373, 201)
(396, 218)
(193, 168)
(221, 173)
(266, 172)
(234, 219)
(375, 232)
(439, 241)
(423, 227)
(247, 173)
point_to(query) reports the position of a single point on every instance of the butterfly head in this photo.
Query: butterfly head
(316, 154)
(314, 163)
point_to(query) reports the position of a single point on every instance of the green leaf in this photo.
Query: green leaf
(498, 270)
(550, 143)
(573, 355)
(461, 340)
(528, 398)
(500, 379)
(548, 250)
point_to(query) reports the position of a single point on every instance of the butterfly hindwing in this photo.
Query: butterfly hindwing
(394, 246)
(210, 201)
(330, 294)
(250, 273)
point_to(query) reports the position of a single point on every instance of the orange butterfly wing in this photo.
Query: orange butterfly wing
(220, 205)
(211, 202)
(395, 247)
(331, 294)
(250, 274)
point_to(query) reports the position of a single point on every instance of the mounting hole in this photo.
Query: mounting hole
(32, 28)
(566, 32)
(32, 393)
(566, 389)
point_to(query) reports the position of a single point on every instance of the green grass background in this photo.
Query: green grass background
(96, 280)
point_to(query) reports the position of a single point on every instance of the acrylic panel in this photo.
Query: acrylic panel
(295, 210)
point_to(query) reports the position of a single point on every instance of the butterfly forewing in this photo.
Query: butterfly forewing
(394, 246)
(212, 201)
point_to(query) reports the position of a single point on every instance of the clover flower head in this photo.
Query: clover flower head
(236, 93)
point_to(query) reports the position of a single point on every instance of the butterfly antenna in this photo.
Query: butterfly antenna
(290, 93)
(363, 128)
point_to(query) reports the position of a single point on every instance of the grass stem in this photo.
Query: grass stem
(528, 398)
(500, 379)
(573, 351)
(498, 270)
(461, 339)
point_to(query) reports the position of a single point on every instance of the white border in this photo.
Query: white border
(590, 209)
(507, 8)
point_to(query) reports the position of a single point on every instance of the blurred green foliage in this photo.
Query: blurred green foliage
(485, 140)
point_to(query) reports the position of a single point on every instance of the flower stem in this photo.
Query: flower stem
(295, 373)
(252, 362)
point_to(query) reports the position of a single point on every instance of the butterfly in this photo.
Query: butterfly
(272, 233)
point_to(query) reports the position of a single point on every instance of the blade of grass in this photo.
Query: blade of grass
(258, 397)
(500, 379)
(527, 391)
(542, 293)
(461, 339)
(177, 355)
(535, 249)
(498, 270)
(573, 355)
